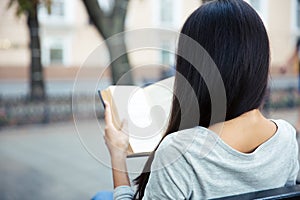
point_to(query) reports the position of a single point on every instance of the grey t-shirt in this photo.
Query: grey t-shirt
(196, 164)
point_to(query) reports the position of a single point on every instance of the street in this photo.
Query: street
(50, 161)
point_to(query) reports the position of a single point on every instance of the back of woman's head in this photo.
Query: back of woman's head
(234, 36)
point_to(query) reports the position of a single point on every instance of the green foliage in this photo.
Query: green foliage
(28, 6)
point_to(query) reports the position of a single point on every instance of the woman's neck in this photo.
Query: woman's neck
(245, 132)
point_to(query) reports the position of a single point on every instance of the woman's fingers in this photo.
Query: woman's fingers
(116, 139)
(124, 126)
(107, 115)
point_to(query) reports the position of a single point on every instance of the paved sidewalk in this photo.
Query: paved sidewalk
(49, 161)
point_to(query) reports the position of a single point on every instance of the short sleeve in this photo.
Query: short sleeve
(294, 164)
(123, 193)
(294, 173)
(169, 180)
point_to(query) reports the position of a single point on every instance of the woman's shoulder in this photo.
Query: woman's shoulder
(175, 147)
(285, 135)
(182, 142)
(184, 136)
(284, 128)
(188, 140)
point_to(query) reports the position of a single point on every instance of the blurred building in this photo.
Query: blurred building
(68, 37)
(282, 20)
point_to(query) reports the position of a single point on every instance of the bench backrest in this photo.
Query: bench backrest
(292, 192)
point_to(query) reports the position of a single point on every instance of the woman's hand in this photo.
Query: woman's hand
(117, 140)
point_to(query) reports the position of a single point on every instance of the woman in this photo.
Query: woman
(293, 60)
(246, 151)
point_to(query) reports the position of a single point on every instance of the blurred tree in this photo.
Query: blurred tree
(29, 8)
(108, 22)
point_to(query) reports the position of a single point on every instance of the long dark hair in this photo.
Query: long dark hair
(234, 36)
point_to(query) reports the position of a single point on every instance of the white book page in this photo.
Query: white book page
(159, 96)
(132, 105)
(120, 95)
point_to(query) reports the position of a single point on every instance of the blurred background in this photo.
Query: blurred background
(44, 44)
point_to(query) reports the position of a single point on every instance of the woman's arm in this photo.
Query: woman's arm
(290, 61)
(168, 180)
(293, 58)
(117, 142)
(119, 171)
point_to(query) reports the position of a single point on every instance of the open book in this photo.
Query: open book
(146, 109)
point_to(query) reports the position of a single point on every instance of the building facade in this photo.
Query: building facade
(68, 37)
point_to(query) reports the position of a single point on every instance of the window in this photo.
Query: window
(55, 50)
(298, 14)
(256, 5)
(56, 55)
(295, 17)
(167, 57)
(166, 11)
(57, 8)
(59, 14)
(261, 7)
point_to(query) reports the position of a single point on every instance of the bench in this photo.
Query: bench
(292, 192)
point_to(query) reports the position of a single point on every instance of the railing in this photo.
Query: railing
(18, 110)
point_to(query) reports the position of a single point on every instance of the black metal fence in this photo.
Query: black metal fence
(19, 110)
